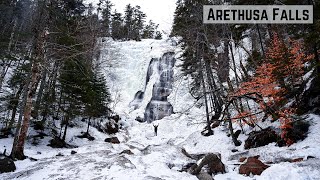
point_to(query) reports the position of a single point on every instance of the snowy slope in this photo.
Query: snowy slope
(157, 157)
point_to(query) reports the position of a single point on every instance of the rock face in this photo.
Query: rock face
(158, 107)
(261, 138)
(113, 140)
(6, 164)
(252, 166)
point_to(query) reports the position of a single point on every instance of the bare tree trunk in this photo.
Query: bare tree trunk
(40, 94)
(38, 58)
(260, 38)
(16, 135)
(234, 64)
(210, 132)
(65, 128)
(234, 139)
(15, 107)
(18, 153)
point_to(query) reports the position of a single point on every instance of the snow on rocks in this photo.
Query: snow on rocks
(143, 156)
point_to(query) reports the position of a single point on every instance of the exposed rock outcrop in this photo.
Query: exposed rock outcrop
(6, 164)
(113, 140)
(252, 166)
(261, 138)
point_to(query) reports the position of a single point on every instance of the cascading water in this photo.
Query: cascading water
(158, 107)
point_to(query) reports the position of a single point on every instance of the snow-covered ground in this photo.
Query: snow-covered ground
(157, 157)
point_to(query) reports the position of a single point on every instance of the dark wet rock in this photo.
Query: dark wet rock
(59, 143)
(140, 119)
(6, 164)
(310, 101)
(158, 107)
(111, 127)
(59, 154)
(170, 165)
(234, 150)
(87, 136)
(5, 133)
(261, 138)
(138, 97)
(116, 118)
(73, 152)
(310, 157)
(32, 159)
(213, 162)
(205, 132)
(127, 151)
(296, 160)
(252, 166)
(237, 133)
(113, 140)
(186, 167)
(38, 125)
(215, 124)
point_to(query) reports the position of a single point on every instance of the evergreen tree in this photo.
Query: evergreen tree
(138, 23)
(128, 21)
(117, 30)
(149, 31)
(106, 17)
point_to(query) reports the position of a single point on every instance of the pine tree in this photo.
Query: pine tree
(149, 31)
(138, 23)
(117, 30)
(128, 21)
(106, 17)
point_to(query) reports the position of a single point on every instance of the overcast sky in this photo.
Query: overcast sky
(160, 11)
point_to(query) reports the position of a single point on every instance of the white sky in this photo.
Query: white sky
(159, 11)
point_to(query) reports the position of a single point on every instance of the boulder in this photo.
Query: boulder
(73, 152)
(86, 135)
(186, 167)
(213, 161)
(116, 118)
(252, 166)
(296, 160)
(215, 124)
(127, 151)
(261, 138)
(140, 119)
(113, 140)
(6, 164)
(111, 127)
(242, 159)
(56, 142)
(4, 133)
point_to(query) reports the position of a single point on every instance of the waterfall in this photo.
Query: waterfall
(158, 107)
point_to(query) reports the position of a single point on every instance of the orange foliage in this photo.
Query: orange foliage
(281, 70)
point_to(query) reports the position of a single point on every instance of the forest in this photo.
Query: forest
(69, 65)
